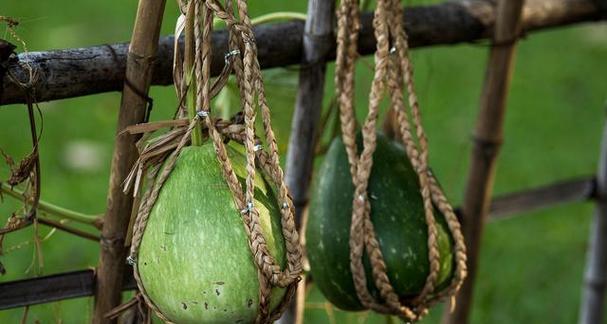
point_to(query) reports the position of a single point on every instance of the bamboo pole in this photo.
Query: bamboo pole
(52, 288)
(551, 195)
(77, 72)
(487, 141)
(593, 294)
(140, 63)
(317, 44)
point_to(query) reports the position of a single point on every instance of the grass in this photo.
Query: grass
(556, 113)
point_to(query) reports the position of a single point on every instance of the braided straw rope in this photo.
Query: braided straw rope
(393, 70)
(249, 79)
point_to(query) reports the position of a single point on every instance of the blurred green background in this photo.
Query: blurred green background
(531, 267)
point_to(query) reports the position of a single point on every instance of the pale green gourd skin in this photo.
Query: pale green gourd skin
(194, 259)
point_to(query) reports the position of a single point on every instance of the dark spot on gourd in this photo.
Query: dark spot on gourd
(220, 283)
(168, 233)
(225, 310)
(217, 292)
(249, 302)
(145, 263)
(184, 305)
(206, 305)
(204, 292)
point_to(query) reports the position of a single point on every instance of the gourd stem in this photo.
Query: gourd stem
(54, 209)
(271, 17)
(190, 46)
(279, 15)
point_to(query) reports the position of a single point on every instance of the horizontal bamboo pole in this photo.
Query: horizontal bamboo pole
(52, 288)
(542, 197)
(80, 284)
(83, 71)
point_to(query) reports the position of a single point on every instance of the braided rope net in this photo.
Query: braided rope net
(243, 60)
(393, 72)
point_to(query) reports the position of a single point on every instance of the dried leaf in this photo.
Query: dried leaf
(26, 166)
(12, 223)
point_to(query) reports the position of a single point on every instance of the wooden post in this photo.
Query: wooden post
(593, 294)
(487, 141)
(317, 45)
(140, 63)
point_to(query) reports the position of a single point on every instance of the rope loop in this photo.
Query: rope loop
(393, 72)
(160, 159)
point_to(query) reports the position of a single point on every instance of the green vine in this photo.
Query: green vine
(267, 18)
(53, 209)
(279, 15)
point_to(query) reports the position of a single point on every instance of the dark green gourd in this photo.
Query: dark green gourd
(397, 214)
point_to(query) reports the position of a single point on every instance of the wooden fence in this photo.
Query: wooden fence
(84, 71)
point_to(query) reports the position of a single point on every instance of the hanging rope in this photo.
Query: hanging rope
(159, 158)
(393, 70)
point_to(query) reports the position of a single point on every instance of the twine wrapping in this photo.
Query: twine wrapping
(159, 157)
(393, 71)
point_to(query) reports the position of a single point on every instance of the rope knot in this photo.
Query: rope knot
(229, 56)
(202, 114)
(131, 260)
(392, 72)
(248, 208)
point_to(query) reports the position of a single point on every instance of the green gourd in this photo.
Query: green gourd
(397, 214)
(194, 259)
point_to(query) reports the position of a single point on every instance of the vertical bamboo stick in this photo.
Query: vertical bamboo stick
(141, 55)
(317, 43)
(593, 294)
(487, 141)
